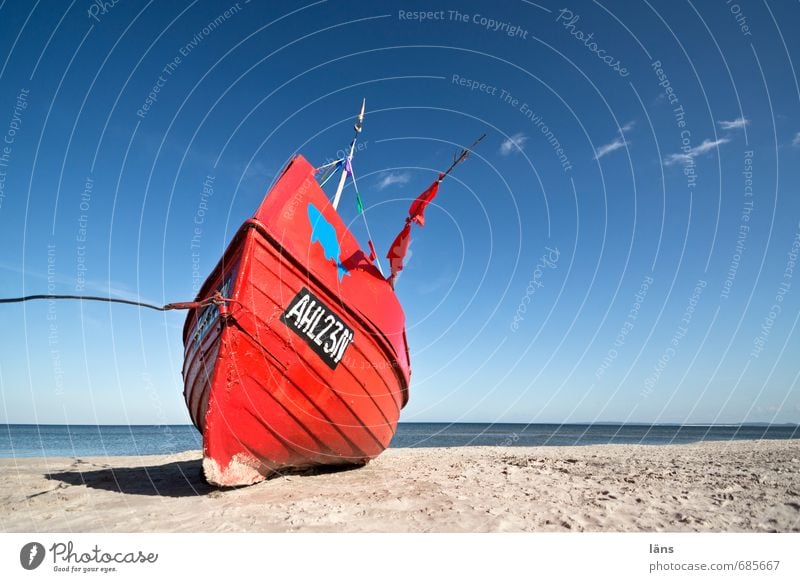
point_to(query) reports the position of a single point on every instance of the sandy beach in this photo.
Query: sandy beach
(714, 486)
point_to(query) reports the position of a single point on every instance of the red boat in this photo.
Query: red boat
(301, 359)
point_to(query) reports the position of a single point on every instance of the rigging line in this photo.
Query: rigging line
(364, 216)
(329, 164)
(330, 173)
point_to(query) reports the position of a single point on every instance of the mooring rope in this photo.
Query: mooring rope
(216, 298)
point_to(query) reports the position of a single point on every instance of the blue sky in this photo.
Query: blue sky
(619, 248)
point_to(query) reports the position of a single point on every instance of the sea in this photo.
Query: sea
(29, 440)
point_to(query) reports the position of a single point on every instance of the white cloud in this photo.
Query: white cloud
(673, 159)
(704, 147)
(391, 178)
(796, 140)
(259, 170)
(609, 147)
(514, 143)
(707, 146)
(616, 143)
(738, 123)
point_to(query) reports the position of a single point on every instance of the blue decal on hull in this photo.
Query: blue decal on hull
(323, 232)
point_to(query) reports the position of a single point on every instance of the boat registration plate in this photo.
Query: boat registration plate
(319, 326)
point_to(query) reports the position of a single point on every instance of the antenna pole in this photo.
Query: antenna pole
(461, 157)
(348, 160)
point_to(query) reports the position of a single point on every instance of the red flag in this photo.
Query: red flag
(397, 252)
(417, 210)
(372, 254)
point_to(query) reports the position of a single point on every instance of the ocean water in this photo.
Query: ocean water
(25, 440)
(60, 440)
(537, 435)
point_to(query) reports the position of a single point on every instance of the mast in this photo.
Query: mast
(348, 160)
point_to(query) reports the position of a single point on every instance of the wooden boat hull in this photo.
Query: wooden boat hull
(307, 364)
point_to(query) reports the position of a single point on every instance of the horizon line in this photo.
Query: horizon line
(572, 423)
